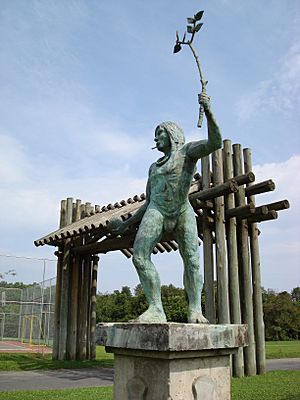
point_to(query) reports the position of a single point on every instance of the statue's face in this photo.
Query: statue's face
(162, 139)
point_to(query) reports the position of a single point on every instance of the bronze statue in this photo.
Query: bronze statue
(167, 208)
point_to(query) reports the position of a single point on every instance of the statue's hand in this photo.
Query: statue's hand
(204, 100)
(116, 226)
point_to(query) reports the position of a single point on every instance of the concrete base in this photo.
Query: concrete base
(172, 361)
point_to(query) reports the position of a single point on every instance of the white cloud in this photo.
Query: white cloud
(30, 198)
(280, 239)
(280, 93)
(286, 176)
(13, 162)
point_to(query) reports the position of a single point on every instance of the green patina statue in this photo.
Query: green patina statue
(167, 210)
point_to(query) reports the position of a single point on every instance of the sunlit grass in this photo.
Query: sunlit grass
(31, 361)
(276, 385)
(284, 349)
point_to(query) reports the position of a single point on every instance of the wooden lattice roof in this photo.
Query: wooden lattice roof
(90, 223)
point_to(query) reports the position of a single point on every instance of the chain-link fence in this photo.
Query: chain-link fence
(26, 314)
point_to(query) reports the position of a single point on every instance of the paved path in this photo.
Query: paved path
(90, 377)
(56, 379)
(283, 364)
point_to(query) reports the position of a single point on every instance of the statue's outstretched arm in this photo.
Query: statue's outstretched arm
(202, 148)
(117, 226)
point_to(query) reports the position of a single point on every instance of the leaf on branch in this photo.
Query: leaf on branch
(190, 29)
(191, 20)
(177, 48)
(199, 15)
(177, 36)
(198, 27)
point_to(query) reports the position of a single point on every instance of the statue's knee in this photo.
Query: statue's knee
(139, 261)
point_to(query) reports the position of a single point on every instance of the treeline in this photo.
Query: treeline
(15, 285)
(282, 314)
(281, 310)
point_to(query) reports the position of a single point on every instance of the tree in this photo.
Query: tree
(281, 316)
(296, 294)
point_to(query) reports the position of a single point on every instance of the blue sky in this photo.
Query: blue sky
(83, 85)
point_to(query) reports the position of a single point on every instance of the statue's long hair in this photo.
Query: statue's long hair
(175, 133)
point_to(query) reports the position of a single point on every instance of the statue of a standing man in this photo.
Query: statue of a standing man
(167, 209)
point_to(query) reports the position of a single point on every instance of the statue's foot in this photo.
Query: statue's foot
(196, 317)
(152, 315)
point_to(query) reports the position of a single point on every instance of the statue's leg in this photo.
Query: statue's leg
(148, 235)
(187, 238)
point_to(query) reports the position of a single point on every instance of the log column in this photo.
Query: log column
(222, 279)
(74, 280)
(259, 328)
(65, 288)
(244, 269)
(210, 309)
(93, 308)
(232, 259)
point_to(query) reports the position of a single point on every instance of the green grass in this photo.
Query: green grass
(30, 361)
(276, 385)
(284, 349)
(100, 393)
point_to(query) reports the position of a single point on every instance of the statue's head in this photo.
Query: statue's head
(175, 133)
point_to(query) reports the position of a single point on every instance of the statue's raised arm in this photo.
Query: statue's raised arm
(202, 148)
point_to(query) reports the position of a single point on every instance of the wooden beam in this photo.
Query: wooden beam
(240, 211)
(278, 205)
(216, 191)
(262, 187)
(243, 179)
(263, 217)
(108, 244)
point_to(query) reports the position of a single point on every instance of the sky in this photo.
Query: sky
(85, 83)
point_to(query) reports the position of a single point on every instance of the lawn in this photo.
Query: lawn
(284, 349)
(276, 385)
(30, 361)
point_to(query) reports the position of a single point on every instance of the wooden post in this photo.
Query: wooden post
(259, 328)
(87, 291)
(81, 349)
(222, 279)
(65, 286)
(244, 269)
(62, 223)
(55, 349)
(93, 308)
(74, 276)
(81, 317)
(210, 309)
(232, 259)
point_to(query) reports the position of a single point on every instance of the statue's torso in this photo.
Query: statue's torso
(170, 183)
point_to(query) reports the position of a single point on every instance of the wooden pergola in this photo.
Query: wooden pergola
(224, 200)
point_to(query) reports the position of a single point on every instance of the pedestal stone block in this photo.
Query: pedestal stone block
(171, 361)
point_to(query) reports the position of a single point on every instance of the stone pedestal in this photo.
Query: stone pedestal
(171, 361)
